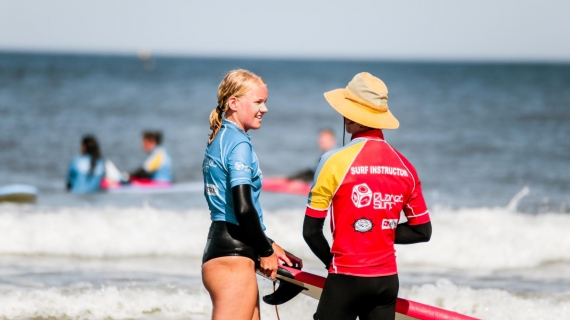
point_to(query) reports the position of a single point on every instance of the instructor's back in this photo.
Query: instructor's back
(364, 185)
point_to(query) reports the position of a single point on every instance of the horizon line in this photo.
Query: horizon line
(167, 55)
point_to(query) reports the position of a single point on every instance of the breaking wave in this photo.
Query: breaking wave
(471, 239)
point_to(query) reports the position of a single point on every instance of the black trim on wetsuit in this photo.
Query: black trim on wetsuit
(248, 219)
(406, 234)
(314, 237)
(141, 173)
(368, 298)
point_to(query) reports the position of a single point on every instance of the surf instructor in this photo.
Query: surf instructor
(232, 183)
(364, 185)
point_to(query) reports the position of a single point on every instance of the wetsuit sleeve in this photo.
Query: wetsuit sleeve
(407, 234)
(415, 209)
(239, 164)
(249, 219)
(154, 162)
(314, 237)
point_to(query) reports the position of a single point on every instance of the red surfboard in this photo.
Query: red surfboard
(294, 281)
(284, 185)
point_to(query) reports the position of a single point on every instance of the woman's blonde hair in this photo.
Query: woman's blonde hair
(236, 83)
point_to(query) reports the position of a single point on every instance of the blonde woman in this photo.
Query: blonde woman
(232, 179)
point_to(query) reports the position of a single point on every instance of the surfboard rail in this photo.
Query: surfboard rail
(145, 186)
(312, 286)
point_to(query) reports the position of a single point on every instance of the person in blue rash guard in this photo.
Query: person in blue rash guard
(87, 170)
(158, 165)
(232, 184)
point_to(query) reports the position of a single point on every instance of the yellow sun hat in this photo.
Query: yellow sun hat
(365, 101)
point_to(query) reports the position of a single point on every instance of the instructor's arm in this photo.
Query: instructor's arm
(407, 234)
(314, 237)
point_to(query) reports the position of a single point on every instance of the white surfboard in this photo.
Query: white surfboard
(18, 193)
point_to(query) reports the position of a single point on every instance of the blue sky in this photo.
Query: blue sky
(511, 30)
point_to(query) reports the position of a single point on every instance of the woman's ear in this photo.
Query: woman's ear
(233, 103)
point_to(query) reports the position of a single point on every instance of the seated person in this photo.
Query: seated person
(327, 141)
(86, 170)
(158, 166)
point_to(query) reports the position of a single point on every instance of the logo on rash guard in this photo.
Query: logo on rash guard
(212, 189)
(242, 167)
(207, 164)
(361, 195)
(389, 224)
(363, 225)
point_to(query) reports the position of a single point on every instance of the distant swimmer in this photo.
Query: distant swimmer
(363, 186)
(158, 166)
(87, 170)
(327, 141)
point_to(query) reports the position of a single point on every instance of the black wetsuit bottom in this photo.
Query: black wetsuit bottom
(347, 297)
(228, 239)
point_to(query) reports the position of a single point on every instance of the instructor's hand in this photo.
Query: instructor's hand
(268, 265)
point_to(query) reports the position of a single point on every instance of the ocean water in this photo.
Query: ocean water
(489, 141)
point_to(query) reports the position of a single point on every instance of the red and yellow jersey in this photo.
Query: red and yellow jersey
(365, 185)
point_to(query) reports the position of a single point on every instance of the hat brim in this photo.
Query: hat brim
(359, 113)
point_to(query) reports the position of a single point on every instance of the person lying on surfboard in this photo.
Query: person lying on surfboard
(158, 165)
(364, 185)
(232, 184)
(87, 170)
(327, 141)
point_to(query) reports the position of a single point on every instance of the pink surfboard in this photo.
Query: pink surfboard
(293, 281)
(284, 185)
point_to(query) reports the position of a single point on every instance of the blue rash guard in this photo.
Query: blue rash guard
(78, 177)
(230, 161)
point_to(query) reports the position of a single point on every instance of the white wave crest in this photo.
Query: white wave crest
(156, 303)
(472, 239)
(108, 232)
(129, 303)
(491, 238)
(490, 303)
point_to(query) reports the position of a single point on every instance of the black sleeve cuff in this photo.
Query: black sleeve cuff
(266, 253)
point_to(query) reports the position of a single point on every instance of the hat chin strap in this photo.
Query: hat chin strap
(343, 130)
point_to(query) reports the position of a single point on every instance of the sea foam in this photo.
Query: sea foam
(467, 239)
(160, 303)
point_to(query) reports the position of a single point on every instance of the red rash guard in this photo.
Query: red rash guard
(366, 185)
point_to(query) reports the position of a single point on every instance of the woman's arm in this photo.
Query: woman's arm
(314, 237)
(406, 234)
(249, 219)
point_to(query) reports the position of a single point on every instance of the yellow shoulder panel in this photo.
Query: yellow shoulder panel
(330, 174)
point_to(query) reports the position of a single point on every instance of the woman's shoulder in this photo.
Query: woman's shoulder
(80, 163)
(229, 139)
(80, 158)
